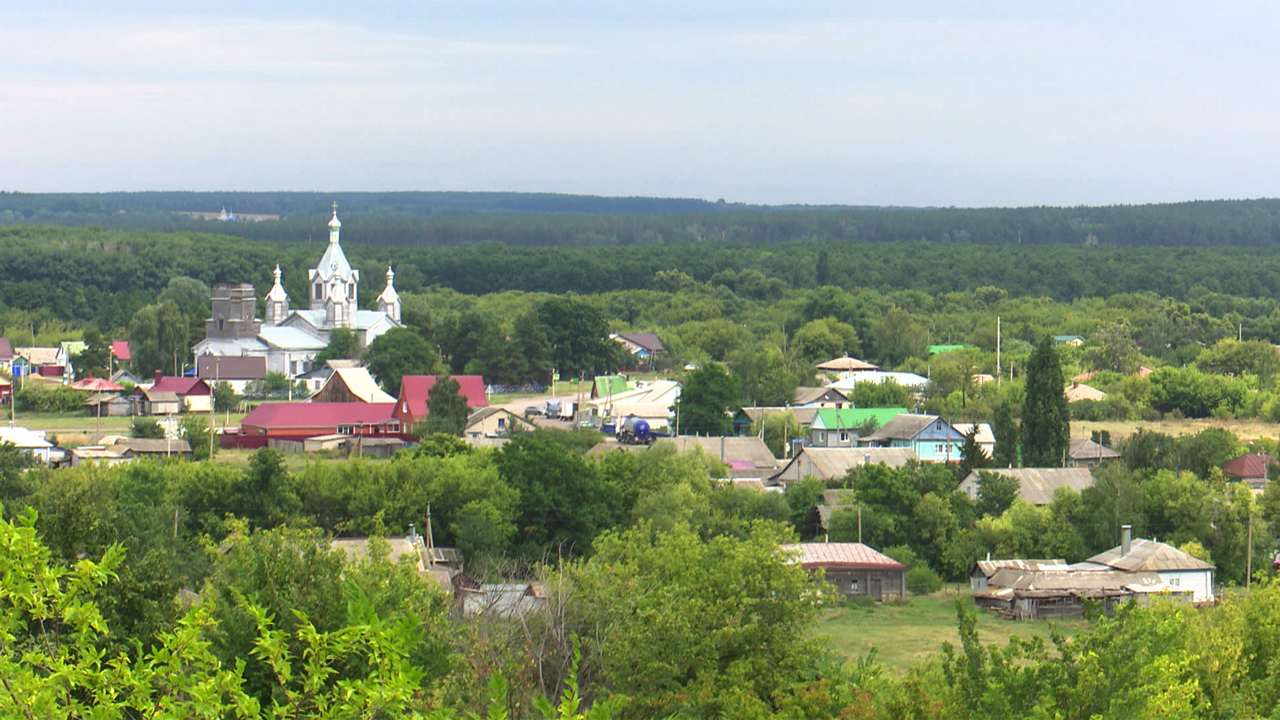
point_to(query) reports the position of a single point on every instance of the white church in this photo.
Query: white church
(290, 339)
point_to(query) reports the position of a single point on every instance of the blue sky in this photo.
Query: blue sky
(934, 103)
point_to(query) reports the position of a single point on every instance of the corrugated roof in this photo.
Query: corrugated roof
(806, 395)
(746, 449)
(846, 363)
(120, 349)
(850, 418)
(1035, 485)
(159, 446)
(1149, 555)
(179, 386)
(985, 435)
(646, 341)
(1074, 581)
(414, 390)
(291, 338)
(829, 463)
(803, 416)
(39, 355)
(216, 367)
(990, 567)
(843, 556)
(317, 415)
(904, 426)
(1080, 391)
(1083, 449)
(1249, 466)
(905, 379)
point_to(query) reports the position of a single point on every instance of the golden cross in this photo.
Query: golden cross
(335, 207)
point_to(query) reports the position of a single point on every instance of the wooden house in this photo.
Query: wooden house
(1089, 454)
(495, 422)
(833, 428)
(833, 463)
(351, 384)
(931, 437)
(1035, 485)
(411, 405)
(299, 421)
(853, 569)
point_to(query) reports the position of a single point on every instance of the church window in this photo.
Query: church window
(351, 291)
(319, 291)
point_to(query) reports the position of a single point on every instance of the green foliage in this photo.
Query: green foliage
(343, 345)
(145, 427)
(706, 397)
(447, 410)
(225, 397)
(42, 398)
(887, 393)
(1046, 427)
(95, 359)
(1192, 393)
(197, 430)
(996, 493)
(158, 339)
(399, 352)
(578, 334)
(1005, 428)
(778, 430)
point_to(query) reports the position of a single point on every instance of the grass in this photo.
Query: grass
(905, 634)
(1244, 429)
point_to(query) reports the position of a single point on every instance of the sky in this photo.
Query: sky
(923, 103)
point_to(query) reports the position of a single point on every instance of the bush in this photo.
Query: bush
(34, 397)
(923, 581)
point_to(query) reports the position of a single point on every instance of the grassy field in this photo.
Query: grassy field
(905, 634)
(1243, 429)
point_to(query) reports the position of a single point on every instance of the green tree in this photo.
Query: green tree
(1005, 428)
(706, 397)
(996, 493)
(95, 359)
(144, 427)
(343, 345)
(578, 334)
(972, 456)
(1046, 424)
(197, 430)
(399, 352)
(225, 398)
(158, 338)
(447, 410)
(825, 338)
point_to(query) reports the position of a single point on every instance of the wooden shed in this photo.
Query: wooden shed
(853, 568)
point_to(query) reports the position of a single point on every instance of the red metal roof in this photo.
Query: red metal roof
(844, 556)
(96, 385)
(1252, 465)
(120, 349)
(415, 388)
(318, 415)
(6, 349)
(181, 386)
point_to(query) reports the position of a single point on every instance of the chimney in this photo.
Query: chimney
(1126, 539)
(159, 374)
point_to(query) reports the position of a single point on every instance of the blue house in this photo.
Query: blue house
(932, 438)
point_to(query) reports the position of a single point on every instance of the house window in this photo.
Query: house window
(393, 427)
(940, 449)
(351, 291)
(844, 436)
(346, 429)
(1175, 581)
(502, 423)
(822, 438)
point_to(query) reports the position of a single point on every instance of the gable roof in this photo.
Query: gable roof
(213, 367)
(1035, 485)
(1080, 391)
(485, 413)
(828, 463)
(150, 446)
(359, 383)
(180, 386)
(38, 355)
(750, 450)
(850, 418)
(1248, 466)
(1085, 449)
(846, 363)
(414, 390)
(905, 426)
(984, 436)
(905, 379)
(806, 395)
(6, 349)
(318, 415)
(120, 349)
(1149, 555)
(606, 386)
(95, 385)
(842, 556)
(988, 568)
(648, 342)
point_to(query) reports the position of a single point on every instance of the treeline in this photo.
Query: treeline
(420, 219)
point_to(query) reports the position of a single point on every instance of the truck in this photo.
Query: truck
(634, 431)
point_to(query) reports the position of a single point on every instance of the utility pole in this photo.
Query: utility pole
(1248, 578)
(859, 523)
(997, 351)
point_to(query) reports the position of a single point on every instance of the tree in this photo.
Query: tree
(399, 352)
(708, 393)
(1005, 428)
(996, 493)
(447, 410)
(972, 456)
(95, 359)
(778, 430)
(1046, 424)
(579, 337)
(197, 430)
(158, 338)
(343, 345)
(144, 427)
(225, 397)
(825, 338)
(1112, 348)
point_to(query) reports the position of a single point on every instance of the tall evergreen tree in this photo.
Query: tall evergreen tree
(1046, 425)
(972, 456)
(447, 410)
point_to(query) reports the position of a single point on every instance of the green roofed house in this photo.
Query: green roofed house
(607, 386)
(1072, 340)
(939, 349)
(839, 428)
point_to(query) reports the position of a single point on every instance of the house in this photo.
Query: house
(34, 442)
(411, 406)
(41, 361)
(985, 438)
(100, 455)
(68, 349)
(500, 599)
(1176, 568)
(495, 422)
(840, 428)
(1035, 485)
(1079, 391)
(191, 393)
(850, 380)
(843, 366)
(121, 351)
(240, 373)
(643, 346)
(1250, 468)
(6, 390)
(120, 377)
(606, 386)
(351, 384)
(853, 568)
(110, 405)
(984, 570)
(650, 401)
(931, 437)
(1072, 340)
(299, 421)
(833, 500)
(6, 355)
(833, 463)
(1055, 593)
(158, 448)
(804, 415)
(1088, 454)
(819, 397)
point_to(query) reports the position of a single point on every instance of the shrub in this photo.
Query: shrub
(923, 581)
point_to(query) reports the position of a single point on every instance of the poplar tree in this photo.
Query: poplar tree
(1046, 425)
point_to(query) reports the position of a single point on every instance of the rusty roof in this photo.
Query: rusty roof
(1149, 555)
(841, 556)
(990, 567)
